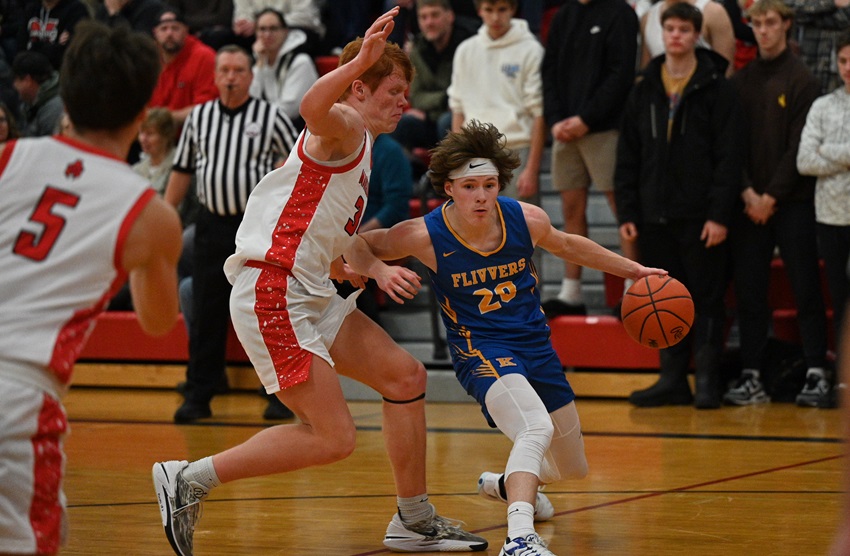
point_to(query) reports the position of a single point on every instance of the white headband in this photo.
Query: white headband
(475, 167)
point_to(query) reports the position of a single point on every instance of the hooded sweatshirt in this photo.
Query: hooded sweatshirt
(498, 81)
(284, 82)
(42, 116)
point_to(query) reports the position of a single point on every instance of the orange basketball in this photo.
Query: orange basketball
(657, 311)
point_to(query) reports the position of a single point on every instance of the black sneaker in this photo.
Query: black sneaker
(192, 411)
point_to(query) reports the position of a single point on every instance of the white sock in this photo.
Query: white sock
(202, 473)
(570, 291)
(415, 508)
(520, 520)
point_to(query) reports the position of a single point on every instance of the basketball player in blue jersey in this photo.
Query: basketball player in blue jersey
(478, 251)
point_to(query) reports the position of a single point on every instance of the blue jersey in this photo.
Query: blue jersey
(488, 296)
(491, 310)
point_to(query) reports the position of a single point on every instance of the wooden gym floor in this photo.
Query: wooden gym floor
(668, 481)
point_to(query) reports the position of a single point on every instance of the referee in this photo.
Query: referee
(228, 145)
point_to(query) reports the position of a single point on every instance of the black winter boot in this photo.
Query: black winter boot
(707, 362)
(672, 387)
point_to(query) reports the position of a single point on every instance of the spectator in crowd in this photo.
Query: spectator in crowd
(210, 20)
(404, 21)
(717, 33)
(501, 350)
(776, 90)
(641, 6)
(431, 53)
(140, 15)
(49, 26)
(188, 72)
(390, 186)
(299, 14)
(228, 145)
(282, 70)
(503, 59)
(8, 126)
(588, 70)
(11, 23)
(817, 26)
(37, 84)
(745, 41)
(679, 164)
(300, 221)
(59, 267)
(156, 137)
(824, 152)
(346, 20)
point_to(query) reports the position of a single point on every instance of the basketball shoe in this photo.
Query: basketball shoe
(816, 388)
(747, 391)
(435, 534)
(180, 504)
(530, 545)
(490, 486)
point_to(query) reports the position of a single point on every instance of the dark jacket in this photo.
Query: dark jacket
(589, 65)
(697, 174)
(776, 96)
(139, 15)
(434, 72)
(43, 28)
(205, 14)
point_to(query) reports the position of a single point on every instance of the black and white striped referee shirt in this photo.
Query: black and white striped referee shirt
(230, 150)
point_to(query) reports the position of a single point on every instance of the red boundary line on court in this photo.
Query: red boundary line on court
(653, 494)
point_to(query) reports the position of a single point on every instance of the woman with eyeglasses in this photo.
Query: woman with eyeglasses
(283, 71)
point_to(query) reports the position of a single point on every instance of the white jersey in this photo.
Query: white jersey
(66, 211)
(304, 215)
(652, 32)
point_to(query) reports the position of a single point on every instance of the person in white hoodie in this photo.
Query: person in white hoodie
(496, 79)
(283, 71)
(824, 152)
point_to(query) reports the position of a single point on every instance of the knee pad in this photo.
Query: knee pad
(520, 414)
(565, 458)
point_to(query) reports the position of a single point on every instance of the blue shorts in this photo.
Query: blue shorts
(478, 370)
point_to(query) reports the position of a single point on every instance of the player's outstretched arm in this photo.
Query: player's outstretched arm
(581, 250)
(150, 257)
(319, 108)
(397, 281)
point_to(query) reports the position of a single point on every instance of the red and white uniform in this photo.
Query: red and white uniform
(66, 210)
(299, 219)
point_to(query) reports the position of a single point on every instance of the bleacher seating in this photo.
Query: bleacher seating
(118, 337)
(324, 64)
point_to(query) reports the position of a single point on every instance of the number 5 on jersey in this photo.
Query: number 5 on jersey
(37, 246)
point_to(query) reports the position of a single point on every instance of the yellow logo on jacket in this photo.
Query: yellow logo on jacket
(781, 100)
